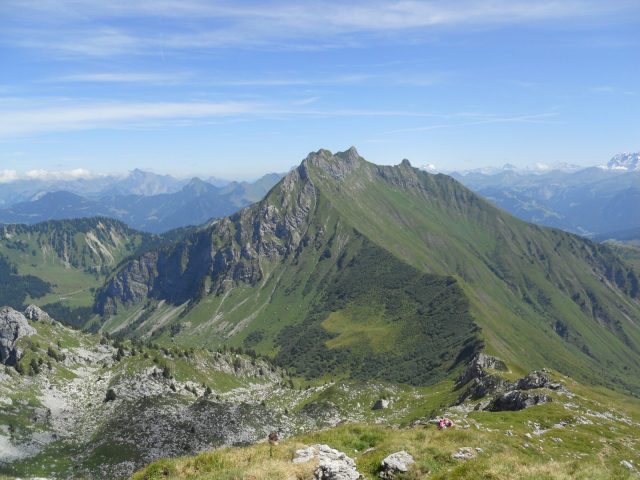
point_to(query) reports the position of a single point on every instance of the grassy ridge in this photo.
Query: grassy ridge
(542, 297)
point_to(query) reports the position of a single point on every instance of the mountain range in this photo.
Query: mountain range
(135, 182)
(143, 200)
(344, 261)
(361, 293)
(592, 201)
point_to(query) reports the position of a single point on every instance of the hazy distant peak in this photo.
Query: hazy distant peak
(625, 162)
(198, 186)
(536, 168)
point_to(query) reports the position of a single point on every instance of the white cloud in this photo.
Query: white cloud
(7, 176)
(75, 174)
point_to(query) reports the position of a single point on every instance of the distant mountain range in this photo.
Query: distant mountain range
(595, 201)
(589, 201)
(144, 200)
(135, 182)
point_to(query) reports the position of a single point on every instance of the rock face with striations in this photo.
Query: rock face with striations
(225, 253)
(13, 325)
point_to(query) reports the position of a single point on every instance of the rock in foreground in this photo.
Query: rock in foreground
(332, 464)
(35, 313)
(13, 325)
(395, 463)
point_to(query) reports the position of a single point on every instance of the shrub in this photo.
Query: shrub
(110, 396)
(34, 367)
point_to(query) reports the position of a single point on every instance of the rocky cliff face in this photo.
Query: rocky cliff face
(80, 243)
(225, 253)
(13, 325)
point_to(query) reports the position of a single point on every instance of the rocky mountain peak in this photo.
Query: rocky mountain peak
(338, 165)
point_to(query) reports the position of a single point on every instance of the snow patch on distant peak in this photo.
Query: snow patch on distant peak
(624, 162)
(429, 167)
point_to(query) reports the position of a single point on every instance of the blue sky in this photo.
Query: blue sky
(237, 89)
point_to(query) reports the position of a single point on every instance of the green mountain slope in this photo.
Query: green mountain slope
(61, 263)
(346, 266)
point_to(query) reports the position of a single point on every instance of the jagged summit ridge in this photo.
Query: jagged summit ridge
(338, 165)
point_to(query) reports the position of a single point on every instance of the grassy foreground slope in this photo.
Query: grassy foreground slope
(264, 276)
(79, 405)
(584, 433)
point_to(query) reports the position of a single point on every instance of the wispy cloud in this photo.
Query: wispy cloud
(356, 79)
(612, 90)
(397, 78)
(483, 119)
(61, 117)
(21, 117)
(87, 27)
(124, 77)
(306, 101)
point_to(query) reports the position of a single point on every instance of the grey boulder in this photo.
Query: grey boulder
(35, 313)
(395, 463)
(332, 464)
(13, 326)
